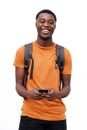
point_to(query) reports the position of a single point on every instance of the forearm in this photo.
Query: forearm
(64, 92)
(22, 91)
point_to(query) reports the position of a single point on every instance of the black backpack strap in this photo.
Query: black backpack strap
(60, 57)
(60, 60)
(27, 58)
(32, 66)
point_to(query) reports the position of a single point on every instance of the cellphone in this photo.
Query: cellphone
(43, 90)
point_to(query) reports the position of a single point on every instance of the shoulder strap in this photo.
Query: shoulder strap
(60, 57)
(60, 60)
(27, 58)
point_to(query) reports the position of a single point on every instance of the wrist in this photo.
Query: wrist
(59, 94)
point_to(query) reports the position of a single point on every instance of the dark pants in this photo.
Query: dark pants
(27, 123)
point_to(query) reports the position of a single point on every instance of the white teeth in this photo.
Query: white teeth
(45, 31)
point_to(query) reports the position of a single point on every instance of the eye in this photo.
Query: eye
(51, 22)
(42, 21)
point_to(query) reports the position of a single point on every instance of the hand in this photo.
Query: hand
(34, 94)
(51, 95)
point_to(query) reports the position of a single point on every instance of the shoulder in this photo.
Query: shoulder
(67, 53)
(67, 62)
(20, 53)
(62, 48)
(21, 49)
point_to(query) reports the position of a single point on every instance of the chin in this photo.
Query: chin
(45, 37)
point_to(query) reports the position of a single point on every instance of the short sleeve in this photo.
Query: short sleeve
(68, 62)
(19, 58)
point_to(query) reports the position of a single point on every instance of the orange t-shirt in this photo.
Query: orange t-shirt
(45, 75)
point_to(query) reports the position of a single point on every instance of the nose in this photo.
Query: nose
(46, 24)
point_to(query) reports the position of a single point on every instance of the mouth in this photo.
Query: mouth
(45, 31)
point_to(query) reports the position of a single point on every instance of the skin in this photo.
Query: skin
(45, 25)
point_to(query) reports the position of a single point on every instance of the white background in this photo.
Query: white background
(17, 27)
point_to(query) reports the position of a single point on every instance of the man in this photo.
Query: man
(43, 111)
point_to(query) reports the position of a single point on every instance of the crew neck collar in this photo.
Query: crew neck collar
(44, 47)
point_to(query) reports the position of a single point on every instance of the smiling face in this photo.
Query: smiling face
(45, 25)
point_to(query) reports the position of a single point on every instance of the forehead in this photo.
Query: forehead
(46, 16)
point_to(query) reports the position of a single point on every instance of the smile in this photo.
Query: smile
(45, 31)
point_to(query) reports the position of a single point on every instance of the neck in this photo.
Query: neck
(44, 42)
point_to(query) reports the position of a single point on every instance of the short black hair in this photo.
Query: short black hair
(46, 11)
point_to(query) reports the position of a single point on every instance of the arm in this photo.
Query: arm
(63, 92)
(21, 90)
(66, 75)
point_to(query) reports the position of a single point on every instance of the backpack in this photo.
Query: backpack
(59, 63)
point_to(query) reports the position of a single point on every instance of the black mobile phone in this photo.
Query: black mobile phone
(43, 90)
